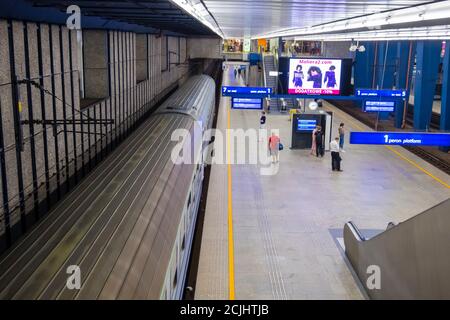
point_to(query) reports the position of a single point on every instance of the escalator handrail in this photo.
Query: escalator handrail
(355, 231)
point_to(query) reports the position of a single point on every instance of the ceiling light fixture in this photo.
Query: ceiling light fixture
(199, 12)
(425, 12)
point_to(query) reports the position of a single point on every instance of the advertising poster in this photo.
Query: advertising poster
(315, 76)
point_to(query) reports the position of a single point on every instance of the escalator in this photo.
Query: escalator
(411, 259)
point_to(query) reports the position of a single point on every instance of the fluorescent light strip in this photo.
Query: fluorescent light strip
(424, 33)
(199, 12)
(427, 12)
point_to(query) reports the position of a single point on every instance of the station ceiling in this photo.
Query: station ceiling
(232, 18)
(155, 14)
(248, 18)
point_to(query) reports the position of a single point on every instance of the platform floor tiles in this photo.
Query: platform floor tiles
(283, 225)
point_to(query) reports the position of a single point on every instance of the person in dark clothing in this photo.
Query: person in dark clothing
(335, 156)
(319, 142)
(330, 76)
(315, 75)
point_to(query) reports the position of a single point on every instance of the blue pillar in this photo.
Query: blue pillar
(363, 67)
(386, 68)
(427, 60)
(404, 49)
(445, 98)
(386, 73)
(363, 72)
(445, 95)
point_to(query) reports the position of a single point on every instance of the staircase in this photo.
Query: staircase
(269, 65)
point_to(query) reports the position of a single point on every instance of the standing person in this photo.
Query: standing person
(235, 72)
(268, 105)
(239, 71)
(341, 136)
(313, 145)
(274, 147)
(335, 156)
(262, 122)
(319, 142)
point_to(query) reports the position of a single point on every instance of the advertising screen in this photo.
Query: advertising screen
(315, 76)
(306, 125)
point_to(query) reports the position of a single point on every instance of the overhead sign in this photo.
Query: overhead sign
(379, 106)
(273, 73)
(306, 124)
(247, 103)
(401, 138)
(381, 93)
(233, 91)
(315, 76)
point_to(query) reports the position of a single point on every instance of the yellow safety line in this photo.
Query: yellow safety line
(230, 213)
(418, 167)
(406, 159)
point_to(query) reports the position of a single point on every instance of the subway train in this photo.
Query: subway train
(126, 231)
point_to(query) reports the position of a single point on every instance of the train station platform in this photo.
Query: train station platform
(280, 236)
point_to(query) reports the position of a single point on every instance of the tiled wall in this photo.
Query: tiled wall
(52, 159)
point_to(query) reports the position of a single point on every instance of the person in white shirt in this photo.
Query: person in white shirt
(335, 156)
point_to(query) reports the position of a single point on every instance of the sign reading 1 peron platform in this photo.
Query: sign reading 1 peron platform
(234, 91)
(401, 138)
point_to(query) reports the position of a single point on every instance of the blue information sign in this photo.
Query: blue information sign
(401, 138)
(381, 93)
(246, 103)
(306, 124)
(233, 91)
(379, 106)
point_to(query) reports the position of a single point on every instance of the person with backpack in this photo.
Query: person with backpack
(274, 147)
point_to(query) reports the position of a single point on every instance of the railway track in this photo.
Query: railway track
(419, 151)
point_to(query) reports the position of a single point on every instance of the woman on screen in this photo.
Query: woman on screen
(330, 76)
(315, 74)
(298, 76)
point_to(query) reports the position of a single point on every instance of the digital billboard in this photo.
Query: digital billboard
(315, 76)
